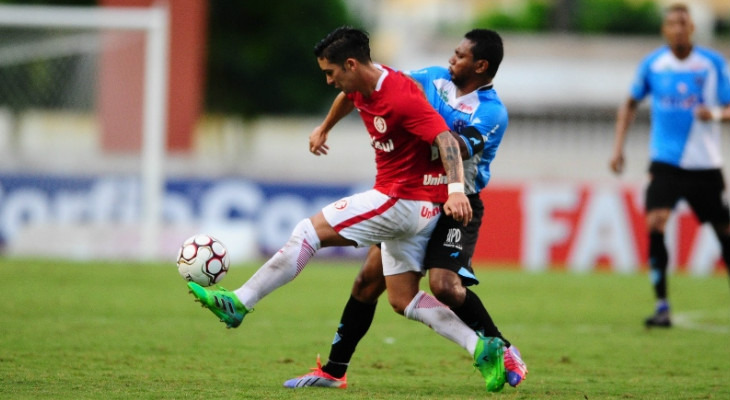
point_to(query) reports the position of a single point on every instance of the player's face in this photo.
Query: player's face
(677, 29)
(461, 64)
(337, 75)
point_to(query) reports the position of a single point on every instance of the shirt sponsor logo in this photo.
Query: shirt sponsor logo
(383, 146)
(679, 102)
(453, 239)
(429, 213)
(379, 124)
(430, 180)
(465, 108)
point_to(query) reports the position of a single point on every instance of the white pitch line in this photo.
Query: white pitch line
(692, 320)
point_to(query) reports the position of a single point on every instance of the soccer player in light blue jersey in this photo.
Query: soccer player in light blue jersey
(464, 96)
(690, 95)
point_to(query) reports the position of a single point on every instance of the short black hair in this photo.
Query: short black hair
(677, 7)
(343, 43)
(487, 46)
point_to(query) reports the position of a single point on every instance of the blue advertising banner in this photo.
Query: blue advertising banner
(270, 210)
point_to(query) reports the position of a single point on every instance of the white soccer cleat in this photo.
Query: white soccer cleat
(317, 378)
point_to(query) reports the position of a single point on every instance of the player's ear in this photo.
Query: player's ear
(482, 66)
(350, 64)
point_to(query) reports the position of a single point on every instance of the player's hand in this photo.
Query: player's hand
(617, 163)
(457, 206)
(708, 114)
(703, 113)
(317, 140)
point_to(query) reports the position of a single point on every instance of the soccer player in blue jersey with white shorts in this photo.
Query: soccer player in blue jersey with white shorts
(464, 96)
(690, 90)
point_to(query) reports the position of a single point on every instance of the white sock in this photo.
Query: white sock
(283, 267)
(427, 309)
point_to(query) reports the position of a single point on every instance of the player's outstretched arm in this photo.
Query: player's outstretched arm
(625, 115)
(341, 106)
(457, 204)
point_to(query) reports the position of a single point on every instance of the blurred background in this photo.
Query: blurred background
(127, 126)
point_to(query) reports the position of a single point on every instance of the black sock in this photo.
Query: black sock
(658, 260)
(354, 323)
(475, 315)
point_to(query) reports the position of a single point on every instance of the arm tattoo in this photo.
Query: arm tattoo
(450, 157)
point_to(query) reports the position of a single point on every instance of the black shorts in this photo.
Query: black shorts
(704, 191)
(452, 244)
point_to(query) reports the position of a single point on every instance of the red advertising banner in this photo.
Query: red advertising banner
(585, 227)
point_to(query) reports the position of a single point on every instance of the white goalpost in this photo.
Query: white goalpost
(154, 24)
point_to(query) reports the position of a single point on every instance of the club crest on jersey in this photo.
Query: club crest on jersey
(682, 88)
(341, 204)
(379, 124)
(443, 95)
(459, 125)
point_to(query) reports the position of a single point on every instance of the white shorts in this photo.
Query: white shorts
(402, 226)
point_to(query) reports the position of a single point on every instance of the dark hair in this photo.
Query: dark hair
(676, 7)
(487, 46)
(343, 43)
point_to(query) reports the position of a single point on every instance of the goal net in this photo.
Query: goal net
(82, 145)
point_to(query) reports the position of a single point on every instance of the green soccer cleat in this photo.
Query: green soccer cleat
(223, 303)
(489, 359)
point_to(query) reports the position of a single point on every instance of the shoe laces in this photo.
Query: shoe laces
(319, 364)
(317, 371)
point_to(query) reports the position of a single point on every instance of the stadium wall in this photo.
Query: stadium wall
(552, 202)
(580, 227)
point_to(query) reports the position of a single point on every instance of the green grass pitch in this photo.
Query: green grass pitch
(116, 331)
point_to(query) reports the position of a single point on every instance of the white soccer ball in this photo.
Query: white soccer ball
(202, 259)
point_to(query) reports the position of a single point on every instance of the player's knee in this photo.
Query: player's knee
(399, 302)
(448, 293)
(370, 282)
(446, 287)
(439, 288)
(656, 220)
(367, 289)
(398, 306)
